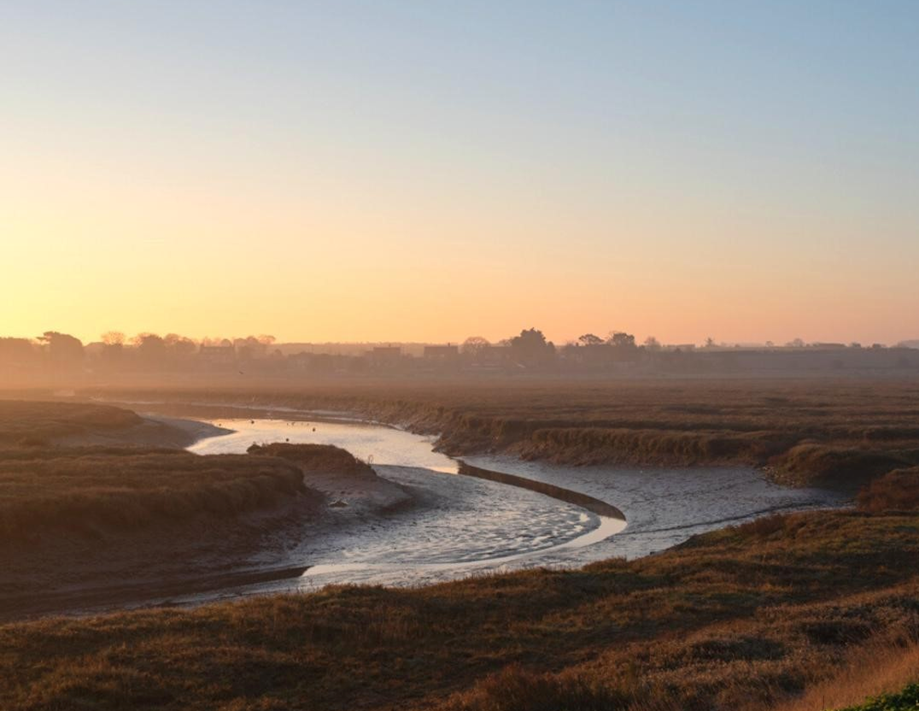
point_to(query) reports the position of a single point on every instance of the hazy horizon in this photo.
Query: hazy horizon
(129, 337)
(426, 172)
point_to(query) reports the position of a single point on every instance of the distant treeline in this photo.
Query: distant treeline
(529, 351)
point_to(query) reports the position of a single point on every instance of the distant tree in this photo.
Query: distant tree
(770, 344)
(63, 348)
(529, 339)
(474, 345)
(16, 350)
(251, 347)
(621, 339)
(652, 344)
(150, 347)
(709, 342)
(113, 338)
(112, 346)
(589, 339)
(796, 343)
(266, 340)
(179, 346)
(531, 347)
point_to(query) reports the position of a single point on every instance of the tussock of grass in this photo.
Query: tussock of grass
(812, 463)
(318, 458)
(104, 489)
(897, 490)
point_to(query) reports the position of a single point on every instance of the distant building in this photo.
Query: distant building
(386, 355)
(447, 352)
(828, 346)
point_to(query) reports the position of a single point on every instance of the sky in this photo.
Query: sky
(428, 170)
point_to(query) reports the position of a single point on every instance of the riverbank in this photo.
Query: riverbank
(836, 434)
(92, 518)
(411, 526)
(107, 529)
(43, 424)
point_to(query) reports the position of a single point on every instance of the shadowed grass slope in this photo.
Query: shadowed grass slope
(94, 489)
(35, 423)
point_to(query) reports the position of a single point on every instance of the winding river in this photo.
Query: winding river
(495, 514)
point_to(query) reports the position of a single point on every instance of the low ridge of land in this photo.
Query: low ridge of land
(808, 432)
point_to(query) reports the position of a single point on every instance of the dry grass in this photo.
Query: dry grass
(36, 423)
(906, 699)
(896, 490)
(737, 619)
(880, 667)
(93, 490)
(318, 458)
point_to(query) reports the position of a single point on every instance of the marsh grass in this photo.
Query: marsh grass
(316, 458)
(93, 490)
(803, 432)
(747, 618)
(737, 619)
(896, 490)
(884, 666)
(37, 423)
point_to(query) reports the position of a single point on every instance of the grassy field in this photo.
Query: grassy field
(91, 490)
(743, 618)
(825, 432)
(788, 612)
(25, 423)
(46, 490)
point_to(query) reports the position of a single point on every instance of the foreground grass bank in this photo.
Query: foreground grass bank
(740, 618)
